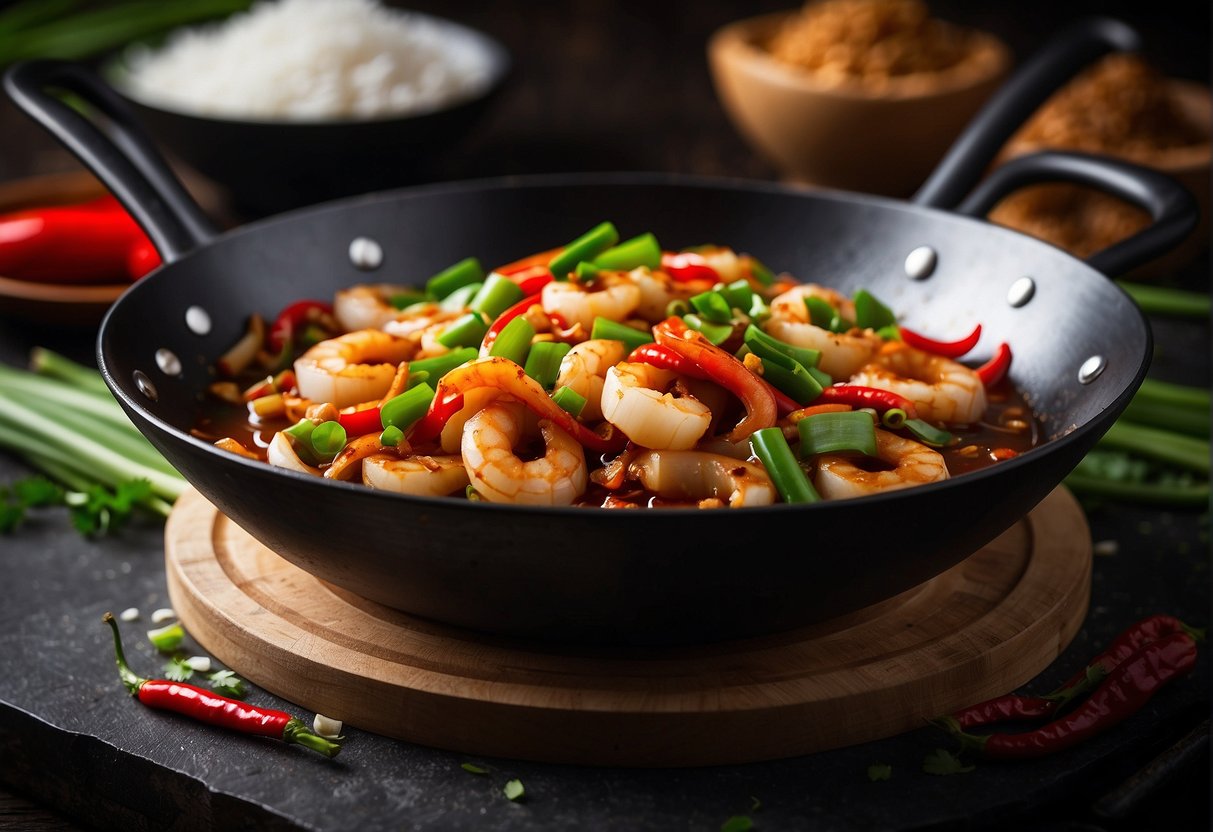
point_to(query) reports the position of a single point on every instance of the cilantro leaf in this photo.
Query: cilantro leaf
(472, 768)
(879, 771)
(11, 515)
(737, 823)
(176, 670)
(514, 790)
(942, 761)
(37, 491)
(227, 683)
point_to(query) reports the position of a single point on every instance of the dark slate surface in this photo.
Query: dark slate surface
(72, 739)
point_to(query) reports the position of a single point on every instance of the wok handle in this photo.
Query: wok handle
(1008, 109)
(123, 158)
(1171, 206)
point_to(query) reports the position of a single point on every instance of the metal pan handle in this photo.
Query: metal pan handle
(1008, 109)
(123, 158)
(1171, 207)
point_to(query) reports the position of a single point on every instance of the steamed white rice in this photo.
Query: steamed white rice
(311, 60)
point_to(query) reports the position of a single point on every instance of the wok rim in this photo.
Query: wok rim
(1049, 447)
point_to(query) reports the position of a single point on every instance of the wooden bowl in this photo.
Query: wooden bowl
(851, 136)
(1084, 221)
(59, 304)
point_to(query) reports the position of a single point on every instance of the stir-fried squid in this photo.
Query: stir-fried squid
(619, 375)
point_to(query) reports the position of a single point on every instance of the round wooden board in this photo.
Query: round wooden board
(983, 628)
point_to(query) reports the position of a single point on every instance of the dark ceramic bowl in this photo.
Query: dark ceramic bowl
(265, 167)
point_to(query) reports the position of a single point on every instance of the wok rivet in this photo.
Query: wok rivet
(1092, 368)
(197, 319)
(366, 254)
(168, 362)
(1021, 291)
(920, 262)
(145, 385)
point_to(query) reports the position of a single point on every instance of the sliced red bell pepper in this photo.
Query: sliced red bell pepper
(726, 370)
(859, 396)
(504, 375)
(993, 370)
(948, 349)
(360, 422)
(687, 266)
(292, 319)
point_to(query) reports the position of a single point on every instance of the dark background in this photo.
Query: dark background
(601, 85)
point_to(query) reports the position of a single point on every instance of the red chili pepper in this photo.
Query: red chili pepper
(948, 349)
(141, 259)
(213, 709)
(531, 280)
(858, 396)
(530, 261)
(723, 368)
(504, 375)
(993, 370)
(666, 358)
(1018, 706)
(508, 315)
(686, 266)
(292, 319)
(89, 242)
(1122, 694)
(361, 422)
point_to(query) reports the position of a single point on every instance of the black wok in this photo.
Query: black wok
(1081, 349)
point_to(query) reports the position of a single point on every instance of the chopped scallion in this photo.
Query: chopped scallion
(459, 299)
(821, 313)
(790, 377)
(586, 247)
(615, 331)
(716, 333)
(827, 433)
(738, 294)
(464, 331)
(776, 455)
(870, 313)
(403, 410)
(328, 438)
(440, 365)
(463, 273)
(514, 340)
(767, 346)
(401, 300)
(760, 272)
(496, 295)
(927, 433)
(713, 306)
(570, 400)
(586, 271)
(643, 250)
(893, 418)
(391, 436)
(543, 362)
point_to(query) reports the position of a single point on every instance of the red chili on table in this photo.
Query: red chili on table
(1122, 694)
(213, 709)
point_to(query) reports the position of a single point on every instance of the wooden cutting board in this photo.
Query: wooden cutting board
(983, 628)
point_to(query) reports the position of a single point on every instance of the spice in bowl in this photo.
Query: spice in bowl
(1121, 106)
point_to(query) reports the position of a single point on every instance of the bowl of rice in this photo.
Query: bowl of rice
(294, 102)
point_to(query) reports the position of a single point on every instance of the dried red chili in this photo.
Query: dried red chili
(213, 709)
(1123, 693)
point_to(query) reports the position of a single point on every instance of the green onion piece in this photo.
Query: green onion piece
(570, 400)
(713, 306)
(301, 431)
(1176, 395)
(823, 378)
(738, 294)
(775, 454)
(497, 294)
(463, 273)
(168, 638)
(401, 300)
(792, 378)
(892, 332)
(615, 331)
(403, 410)
(1163, 300)
(439, 366)
(928, 434)
(1195, 495)
(760, 272)
(829, 432)
(893, 418)
(464, 331)
(543, 362)
(586, 271)
(765, 346)
(391, 436)
(821, 312)
(871, 313)
(677, 308)
(586, 247)
(759, 310)
(514, 340)
(1158, 444)
(716, 333)
(643, 250)
(458, 300)
(328, 438)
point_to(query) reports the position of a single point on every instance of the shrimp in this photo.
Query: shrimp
(366, 306)
(842, 353)
(428, 476)
(582, 369)
(633, 399)
(557, 478)
(839, 477)
(699, 475)
(576, 304)
(943, 390)
(657, 290)
(352, 368)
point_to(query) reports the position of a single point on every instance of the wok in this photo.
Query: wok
(583, 575)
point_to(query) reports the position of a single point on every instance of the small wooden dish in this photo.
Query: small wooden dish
(74, 305)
